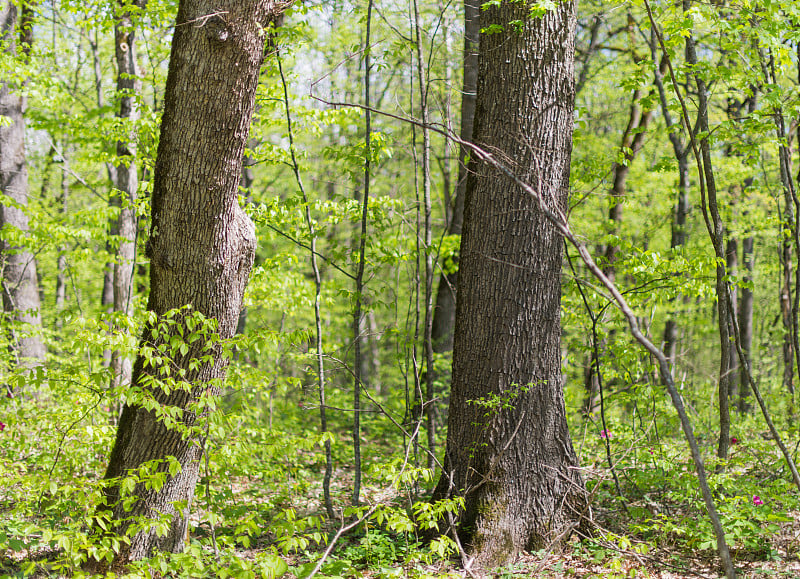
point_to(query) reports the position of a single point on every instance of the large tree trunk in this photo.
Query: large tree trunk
(509, 452)
(201, 250)
(444, 313)
(20, 291)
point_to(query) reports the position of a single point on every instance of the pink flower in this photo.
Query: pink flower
(757, 501)
(734, 440)
(605, 434)
(2, 427)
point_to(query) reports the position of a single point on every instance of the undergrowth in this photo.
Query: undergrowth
(257, 510)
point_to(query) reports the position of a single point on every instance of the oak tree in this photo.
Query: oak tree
(201, 249)
(509, 452)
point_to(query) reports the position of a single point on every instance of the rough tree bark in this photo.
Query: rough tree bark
(509, 452)
(20, 292)
(201, 250)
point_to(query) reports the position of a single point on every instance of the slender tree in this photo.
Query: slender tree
(680, 210)
(424, 211)
(789, 239)
(358, 321)
(509, 452)
(741, 298)
(715, 227)
(746, 320)
(201, 250)
(107, 293)
(20, 290)
(318, 339)
(126, 176)
(61, 260)
(630, 146)
(444, 313)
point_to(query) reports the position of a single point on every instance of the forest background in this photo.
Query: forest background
(340, 312)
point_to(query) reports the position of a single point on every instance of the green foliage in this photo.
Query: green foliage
(199, 562)
(751, 510)
(257, 510)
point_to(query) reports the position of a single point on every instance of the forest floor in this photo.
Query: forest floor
(616, 550)
(577, 559)
(607, 554)
(269, 526)
(599, 558)
(659, 534)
